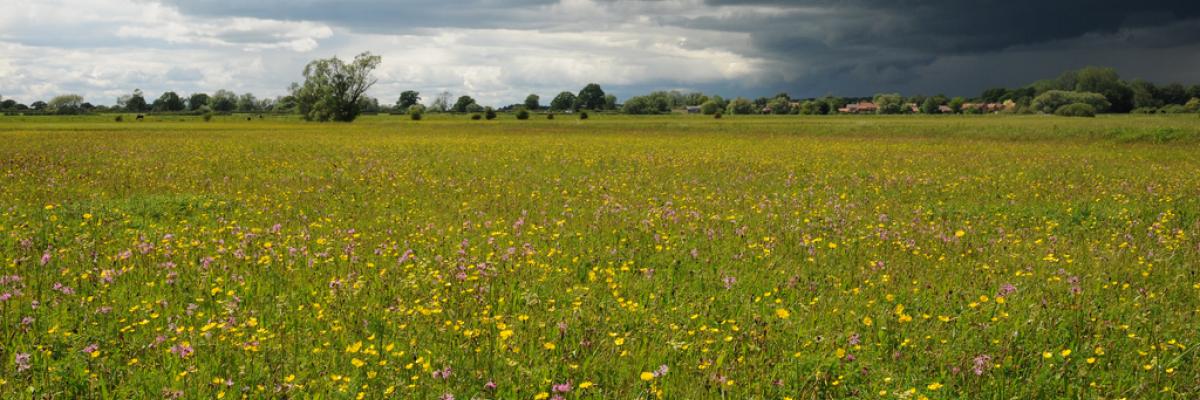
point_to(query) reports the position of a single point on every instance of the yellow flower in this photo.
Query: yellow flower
(505, 334)
(358, 363)
(1000, 300)
(1047, 355)
(867, 321)
(1065, 352)
(289, 378)
(585, 384)
(905, 318)
(87, 216)
(934, 386)
(549, 346)
(619, 341)
(647, 376)
(541, 396)
(959, 233)
(354, 347)
(782, 313)
(1091, 360)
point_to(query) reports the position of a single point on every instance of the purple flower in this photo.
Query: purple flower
(490, 385)
(91, 348)
(854, 339)
(447, 396)
(45, 258)
(182, 350)
(443, 373)
(728, 281)
(981, 363)
(562, 387)
(22, 361)
(661, 371)
(1006, 290)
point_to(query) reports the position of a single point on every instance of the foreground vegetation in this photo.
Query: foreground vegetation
(617, 257)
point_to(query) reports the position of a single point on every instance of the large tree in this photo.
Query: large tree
(1106, 82)
(169, 101)
(532, 102)
(441, 103)
(67, 104)
(248, 103)
(223, 101)
(332, 88)
(463, 103)
(591, 97)
(408, 99)
(196, 101)
(563, 102)
(135, 102)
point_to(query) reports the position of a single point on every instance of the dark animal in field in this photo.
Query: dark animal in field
(141, 117)
(247, 118)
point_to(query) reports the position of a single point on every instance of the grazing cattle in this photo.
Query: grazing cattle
(141, 117)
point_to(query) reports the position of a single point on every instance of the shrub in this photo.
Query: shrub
(710, 108)
(740, 106)
(583, 115)
(208, 116)
(414, 114)
(717, 115)
(1173, 109)
(522, 114)
(1076, 110)
(119, 118)
(550, 116)
(1051, 101)
(476, 117)
(489, 113)
(1192, 105)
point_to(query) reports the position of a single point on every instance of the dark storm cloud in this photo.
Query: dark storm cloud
(951, 27)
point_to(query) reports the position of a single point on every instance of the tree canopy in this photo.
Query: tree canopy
(332, 88)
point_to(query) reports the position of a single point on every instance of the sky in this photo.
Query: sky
(500, 51)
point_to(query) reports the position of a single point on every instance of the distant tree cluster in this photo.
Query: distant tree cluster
(335, 90)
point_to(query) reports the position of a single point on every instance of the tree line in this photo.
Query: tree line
(335, 90)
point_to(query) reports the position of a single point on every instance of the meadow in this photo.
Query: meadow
(666, 257)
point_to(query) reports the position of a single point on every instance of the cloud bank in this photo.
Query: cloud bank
(499, 51)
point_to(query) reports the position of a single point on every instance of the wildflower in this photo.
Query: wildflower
(867, 321)
(934, 386)
(22, 361)
(854, 339)
(541, 396)
(490, 385)
(357, 363)
(585, 384)
(782, 313)
(447, 396)
(443, 373)
(959, 233)
(981, 364)
(562, 387)
(549, 346)
(647, 376)
(183, 350)
(661, 371)
(1065, 352)
(729, 281)
(1047, 355)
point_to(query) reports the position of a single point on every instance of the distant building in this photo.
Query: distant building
(862, 107)
(945, 109)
